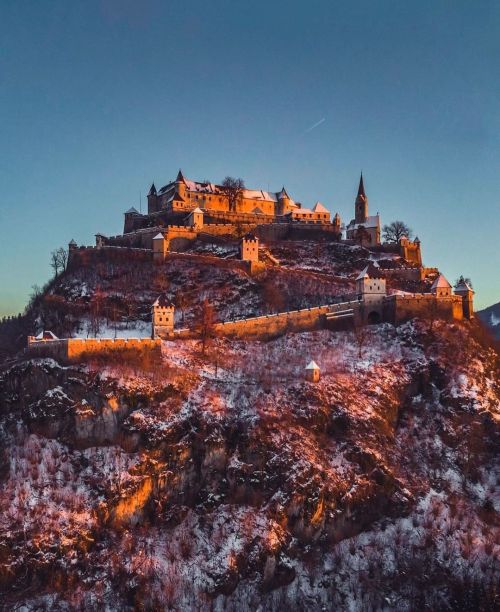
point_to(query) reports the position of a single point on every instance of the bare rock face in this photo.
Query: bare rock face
(176, 487)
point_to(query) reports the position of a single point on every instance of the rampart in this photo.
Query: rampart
(275, 324)
(212, 260)
(413, 274)
(71, 350)
(140, 238)
(399, 308)
(87, 255)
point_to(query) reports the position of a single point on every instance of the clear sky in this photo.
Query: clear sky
(100, 97)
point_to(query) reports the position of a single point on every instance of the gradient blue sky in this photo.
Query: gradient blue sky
(99, 98)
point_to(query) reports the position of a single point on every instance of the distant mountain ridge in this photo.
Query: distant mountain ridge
(491, 317)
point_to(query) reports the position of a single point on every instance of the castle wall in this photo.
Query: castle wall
(399, 308)
(73, 349)
(85, 256)
(413, 274)
(274, 324)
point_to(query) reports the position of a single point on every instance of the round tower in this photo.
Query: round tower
(284, 202)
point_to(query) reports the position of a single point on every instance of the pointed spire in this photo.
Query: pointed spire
(361, 188)
(180, 177)
(152, 190)
(283, 193)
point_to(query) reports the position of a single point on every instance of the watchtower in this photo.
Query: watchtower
(163, 317)
(370, 283)
(465, 291)
(441, 287)
(195, 218)
(160, 247)
(312, 371)
(249, 248)
(152, 200)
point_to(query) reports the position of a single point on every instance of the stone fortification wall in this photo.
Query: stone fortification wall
(218, 216)
(274, 324)
(85, 256)
(212, 260)
(296, 231)
(141, 238)
(399, 308)
(73, 349)
(413, 274)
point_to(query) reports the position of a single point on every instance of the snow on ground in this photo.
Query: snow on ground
(132, 329)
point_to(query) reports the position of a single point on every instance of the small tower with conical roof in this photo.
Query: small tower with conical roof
(180, 184)
(464, 290)
(152, 200)
(284, 202)
(361, 204)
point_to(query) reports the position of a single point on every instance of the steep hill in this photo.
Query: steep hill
(227, 482)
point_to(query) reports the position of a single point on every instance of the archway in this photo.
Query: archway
(373, 318)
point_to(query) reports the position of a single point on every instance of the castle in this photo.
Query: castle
(184, 211)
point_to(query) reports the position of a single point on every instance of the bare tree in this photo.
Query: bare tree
(59, 260)
(395, 231)
(273, 296)
(205, 324)
(361, 331)
(181, 301)
(233, 188)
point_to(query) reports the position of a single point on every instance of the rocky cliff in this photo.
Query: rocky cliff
(225, 481)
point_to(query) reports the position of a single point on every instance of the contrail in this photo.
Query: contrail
(310, 129)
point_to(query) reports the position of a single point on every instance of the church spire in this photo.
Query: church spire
(361, 204)
(361, 188)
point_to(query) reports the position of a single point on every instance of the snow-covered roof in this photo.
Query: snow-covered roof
(318, 207)
(312, 365)
(440, 283)
(373, 221)
(73, 242)
(197, 210)
(372, 270)
(159, 236)
(46, 335)
(133, 211)
(463, 285)
(163, 302)
(305, 211)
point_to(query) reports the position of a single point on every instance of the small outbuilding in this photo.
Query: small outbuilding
(312, 371)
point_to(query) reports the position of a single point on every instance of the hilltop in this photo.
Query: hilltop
(199, 466)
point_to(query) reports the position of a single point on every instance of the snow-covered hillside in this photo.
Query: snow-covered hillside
(227, 482)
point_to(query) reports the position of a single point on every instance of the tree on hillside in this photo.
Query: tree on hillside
(181, 302)
(233, 188)
(205, 324)
(59, 260)
(395, 231)
(273, 296)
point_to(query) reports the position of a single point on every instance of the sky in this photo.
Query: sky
(98, 98)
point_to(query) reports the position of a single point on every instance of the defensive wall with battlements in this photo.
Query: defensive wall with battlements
(70, 350)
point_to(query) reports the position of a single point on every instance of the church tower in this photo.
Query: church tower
(361, 206)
